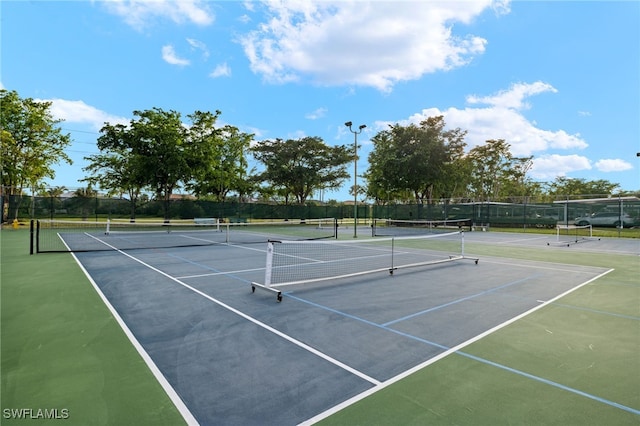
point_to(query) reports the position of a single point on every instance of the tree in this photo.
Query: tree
(563, 186)
(52, 197)
(159, 152)
(495, 172)
(420, 159)
(150, 152)
(83, 199)
(118, 173)
(158, 145)
(300, 167)
(220, 164)
(31, 143)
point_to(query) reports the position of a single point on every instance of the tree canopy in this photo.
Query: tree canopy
(159, 152)
(421, 160)
(300, 167)
(31, 143)
(564, 186)
(429, 162)
(221, 163)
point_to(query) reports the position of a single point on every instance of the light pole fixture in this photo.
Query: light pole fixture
(355, 174)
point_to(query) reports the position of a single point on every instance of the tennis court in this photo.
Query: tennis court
(227, 355)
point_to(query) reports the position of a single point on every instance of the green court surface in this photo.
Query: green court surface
(575, 361)
(587, 341)
(63, 350)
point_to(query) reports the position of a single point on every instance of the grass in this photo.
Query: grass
(62, 349)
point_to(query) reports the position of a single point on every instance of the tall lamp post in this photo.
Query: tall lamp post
(355, 174)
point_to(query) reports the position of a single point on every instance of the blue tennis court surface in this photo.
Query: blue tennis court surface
(230, 356)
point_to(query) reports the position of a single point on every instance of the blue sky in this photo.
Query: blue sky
(557, 80)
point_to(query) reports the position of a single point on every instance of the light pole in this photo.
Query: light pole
(355, 174)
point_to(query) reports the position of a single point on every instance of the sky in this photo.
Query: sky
(559, 81)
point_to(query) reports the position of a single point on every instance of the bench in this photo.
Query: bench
(205, 221)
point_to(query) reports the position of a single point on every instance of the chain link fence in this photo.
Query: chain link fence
(523, 212)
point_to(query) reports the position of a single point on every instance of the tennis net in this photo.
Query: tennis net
(291, 263)
(392, 227)
(80, 236)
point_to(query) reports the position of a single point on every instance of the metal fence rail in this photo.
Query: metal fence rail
(522, 212)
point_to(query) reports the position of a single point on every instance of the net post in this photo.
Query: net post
(267, 275)
(37, 236)
(31, 235)
(269, 266)
(108, 227)
(393, 250)
(462, 242)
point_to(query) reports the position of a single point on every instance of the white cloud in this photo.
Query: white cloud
(613, 165)
(552, 166)
(80, 112)
(514, 97)
(503, 120)
(318, 113)
(360, 43)
(221, 70)
(169, 55)
(140, 13)
(198, 45)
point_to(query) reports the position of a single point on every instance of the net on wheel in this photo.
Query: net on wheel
(573, 234)
(81, 236)
(290, 263)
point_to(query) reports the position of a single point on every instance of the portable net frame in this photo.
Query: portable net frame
(290, 263)
(393, 227)
(573, 234)
(85, 236)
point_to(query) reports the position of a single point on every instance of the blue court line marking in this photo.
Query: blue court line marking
(552, 383)
(475, 358)
(596, 311)
(371, 323)
(444, 305)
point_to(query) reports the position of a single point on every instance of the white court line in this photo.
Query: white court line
(251, 319)
(536, 264)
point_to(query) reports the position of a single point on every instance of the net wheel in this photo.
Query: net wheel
(476, 261)
(253, 289)
(279, 297)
